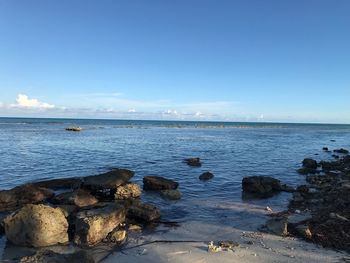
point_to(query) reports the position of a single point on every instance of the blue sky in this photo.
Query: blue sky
(247, 60)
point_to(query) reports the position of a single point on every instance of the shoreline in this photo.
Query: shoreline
(189, 240)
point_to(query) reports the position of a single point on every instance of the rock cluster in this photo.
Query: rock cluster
(263, 186)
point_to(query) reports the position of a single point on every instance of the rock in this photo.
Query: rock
(287, 188)
(297, 197)
(78, 197)
(325, 149)
(193, 162)
(69, 183)
(116, 236)
(341, 150)
(21, 195)
(277, 226)
(309, 163)
(67, 209)
(37, 226)
(206, 176)
(135, 228)
(335, 156)
(261, 185)
(304, 231)
(305, 171)
(127, 191)
(298, 218)
(49, 256)
(144, 212)
(109, 180)
(158, 183)
(303, 189)
(92, 226)
(74, 129)
(171, 194)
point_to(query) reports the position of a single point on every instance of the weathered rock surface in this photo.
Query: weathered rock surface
(37, 226)
(69, 183)
(116, 236)
(171, 194)
(92, 226)
(144, 212)
(78, 197)
(261, 185)
(48, 256)
(309, 163)
(158, 183)
(21, 195)
(206, 176)
(127, 191)
(109, 180)
(194, 161)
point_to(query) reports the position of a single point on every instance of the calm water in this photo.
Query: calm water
(33, 149)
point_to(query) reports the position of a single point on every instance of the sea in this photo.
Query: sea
(33, 149)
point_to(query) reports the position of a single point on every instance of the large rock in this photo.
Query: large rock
(127, 191)
(37, 226)
(49, 256)
(309, 163)
(70, 183)
(261, 185)
(92, 226)
(195, 161)
(144, 212)
(341, 150)
(78, 197)
(158, 183)
(21, 195)
(109, 180)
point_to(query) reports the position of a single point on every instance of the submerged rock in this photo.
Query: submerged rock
(194, 161)
(158, 183)
(171, 194)
(144, 212)
(305, 171)
(206, 176)
(92, 226)
(309, 163)
(21, 195)
(261, 185)
(78, 198)
(109, 180)
(341, 150)
(37, 226)
(127, 191)
(49, 256)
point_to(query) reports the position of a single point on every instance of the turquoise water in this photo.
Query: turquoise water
(33, 149)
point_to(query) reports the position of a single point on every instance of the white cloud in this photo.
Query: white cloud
(23, 101)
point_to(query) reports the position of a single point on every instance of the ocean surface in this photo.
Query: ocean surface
(36, 149)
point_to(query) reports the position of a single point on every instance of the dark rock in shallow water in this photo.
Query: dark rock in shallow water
(48, 256)
(277, 226)
(92, 226)
(261, 185)
(325, 149)
(21, 195)
(206, 176)
(70, 183)
(335, 156)
(144, 212)
(341, 150)
(109, 180)
(193, 161)
(305, 171)
(78, 198)
(37, 226)
(309, 163)
(158, 183)
(171, 194)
